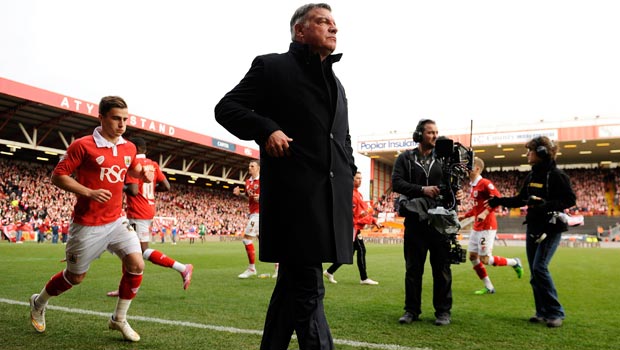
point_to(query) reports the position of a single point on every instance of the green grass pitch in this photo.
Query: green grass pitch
(220, 311)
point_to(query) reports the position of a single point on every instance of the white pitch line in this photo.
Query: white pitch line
(234, 330)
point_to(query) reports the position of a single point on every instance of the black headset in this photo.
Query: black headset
(419, 129)
(541, 150)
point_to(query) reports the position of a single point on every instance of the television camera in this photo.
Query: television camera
(456, 162)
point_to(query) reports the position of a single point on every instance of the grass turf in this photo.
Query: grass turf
(360, 317)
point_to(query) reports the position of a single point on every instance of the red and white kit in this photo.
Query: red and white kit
(97, 163)
(141, 208)
(252, 188)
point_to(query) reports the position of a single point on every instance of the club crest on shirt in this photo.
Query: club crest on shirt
(127, 161)
(100, 159)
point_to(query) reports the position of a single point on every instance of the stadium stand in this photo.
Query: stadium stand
(25, 187)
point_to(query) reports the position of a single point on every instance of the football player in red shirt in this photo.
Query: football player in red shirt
(482, 236)
(140, 209)
(94, 168)
(252, 191)
(361, 218)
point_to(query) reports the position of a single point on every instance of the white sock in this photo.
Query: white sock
(178, 266)
(511, 262)
(42, 299)
(491, 260)
(487, 283)
(120, 313)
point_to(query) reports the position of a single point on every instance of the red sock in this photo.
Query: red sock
(161, 259)
(499, 261)
(130, 283)
(481, 271)
(249, 248)
(57, 284)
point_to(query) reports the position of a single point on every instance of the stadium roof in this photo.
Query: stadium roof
(594, 142)
(36, 124)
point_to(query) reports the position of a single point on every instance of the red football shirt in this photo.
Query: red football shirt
(481, 190)
(252, 187)
(359, 206)
(98, 164)
(142, 206)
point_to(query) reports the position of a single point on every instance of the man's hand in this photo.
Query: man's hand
(147, 174)
(277, 144)
(482, 215)
(430, 191)
(100, 195)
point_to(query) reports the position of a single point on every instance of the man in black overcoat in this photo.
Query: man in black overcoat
(295, 109)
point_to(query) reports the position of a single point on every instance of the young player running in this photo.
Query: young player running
(252, 191)
(482, 237)
(94, 168)
(141, 211)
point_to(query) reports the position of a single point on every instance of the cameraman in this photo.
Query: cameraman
(418, 174)
(547, 192)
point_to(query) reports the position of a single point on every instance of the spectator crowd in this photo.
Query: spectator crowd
(27, 196)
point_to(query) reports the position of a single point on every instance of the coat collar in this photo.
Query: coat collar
(302, 51)
(544, 166)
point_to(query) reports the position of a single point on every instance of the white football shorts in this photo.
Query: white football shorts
(252, 227)
(481, 242)
(143, 229)
(87, 243)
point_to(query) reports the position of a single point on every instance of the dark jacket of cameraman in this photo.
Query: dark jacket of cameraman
(546, 190)
(408, 178)
(409, 175)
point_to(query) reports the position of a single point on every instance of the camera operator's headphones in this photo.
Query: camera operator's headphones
(419, 129)
(541, 150)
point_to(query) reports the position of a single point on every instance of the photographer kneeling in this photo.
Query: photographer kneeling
(419, 174)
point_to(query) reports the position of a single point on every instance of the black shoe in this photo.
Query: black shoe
(407, 318)
(537, 319)
(442, 320)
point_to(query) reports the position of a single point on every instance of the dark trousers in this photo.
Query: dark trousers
(360, 248)
(296, 305)
(421, 238)
(539, 256)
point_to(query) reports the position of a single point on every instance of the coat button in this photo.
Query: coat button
(331, 174)
(331, 136)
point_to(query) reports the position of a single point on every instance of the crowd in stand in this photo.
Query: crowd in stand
(589, 186)
(27, 195)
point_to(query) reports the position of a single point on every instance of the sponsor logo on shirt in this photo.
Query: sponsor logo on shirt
(113, 174)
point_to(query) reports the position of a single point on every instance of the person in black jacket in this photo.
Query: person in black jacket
(547, 192)
(418, 174)
(295, 109)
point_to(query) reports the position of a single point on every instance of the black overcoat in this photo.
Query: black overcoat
(306, 198)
